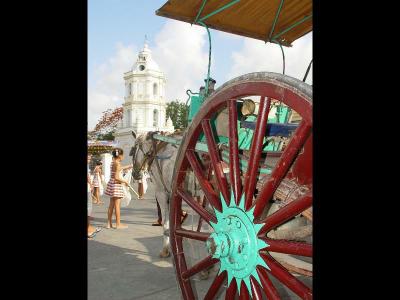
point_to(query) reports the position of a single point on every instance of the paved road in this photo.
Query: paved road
(124, 264)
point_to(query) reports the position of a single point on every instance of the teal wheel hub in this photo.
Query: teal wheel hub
(235, 242)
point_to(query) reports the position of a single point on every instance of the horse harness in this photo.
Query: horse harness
(150, 157)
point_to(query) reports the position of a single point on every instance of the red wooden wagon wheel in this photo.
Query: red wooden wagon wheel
(238, 242)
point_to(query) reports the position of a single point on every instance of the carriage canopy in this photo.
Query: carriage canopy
(267, 20)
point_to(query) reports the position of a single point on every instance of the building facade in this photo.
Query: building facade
(144, 102)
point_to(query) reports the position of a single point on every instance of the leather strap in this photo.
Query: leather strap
(157, 148)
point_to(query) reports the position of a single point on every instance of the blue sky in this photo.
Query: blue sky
(116, 30)
(124, 21)
(127, 21)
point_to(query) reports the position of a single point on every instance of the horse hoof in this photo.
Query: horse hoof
(165, 253)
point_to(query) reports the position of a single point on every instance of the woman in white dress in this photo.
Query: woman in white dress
(97, 181)
(91, 231)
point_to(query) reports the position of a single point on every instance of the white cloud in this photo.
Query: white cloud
(181, 51)
(108, 89)
(226, 35)
(257, 56)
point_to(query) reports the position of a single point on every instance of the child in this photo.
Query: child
(115, 189)
(97, 180)
(91, 230)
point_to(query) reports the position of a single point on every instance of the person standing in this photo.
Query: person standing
(115, 189)
(97, 181)
(91, 230)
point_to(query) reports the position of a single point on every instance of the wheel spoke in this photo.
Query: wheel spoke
(255, 151)
(286, 278)
(288, 247)
(234, 151)
(180, 262)
(244, 293)
(215, 286)
(204, 183)
(194, 235)
(285, 213)
(231, 291)
(241, 181)
(197, 207)
(215, 160)
(296, 142)
(200, 223)
(255, 288)
(292, 268)
(200, 266)
(268, 286)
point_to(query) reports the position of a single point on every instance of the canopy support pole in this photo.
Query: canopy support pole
(308, 70)
(292, 26)
(283, 55)
(209, 55)
(196, 21)
(219, 10)
(275, 20)
(200, 11)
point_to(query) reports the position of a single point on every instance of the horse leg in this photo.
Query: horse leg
(165, 252)
(159, 214)
(163, 201)
(140, 190)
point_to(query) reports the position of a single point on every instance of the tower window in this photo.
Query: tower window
(128, 89)
(155, 118)
(141, 67)
(155, 89)
(129, 118)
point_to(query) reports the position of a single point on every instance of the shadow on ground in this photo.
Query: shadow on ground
(127, 274)
(124, 264)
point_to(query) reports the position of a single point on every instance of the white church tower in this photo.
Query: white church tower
(144, 105)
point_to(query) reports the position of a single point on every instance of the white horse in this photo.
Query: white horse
(158, 160)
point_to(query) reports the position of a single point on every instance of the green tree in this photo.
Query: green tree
(178, 112)
(106, 137)
(183, 114)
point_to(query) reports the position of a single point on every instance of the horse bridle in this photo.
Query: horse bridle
(148, 157)
(138, 168)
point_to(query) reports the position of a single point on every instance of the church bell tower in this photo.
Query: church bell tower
(144, 102)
